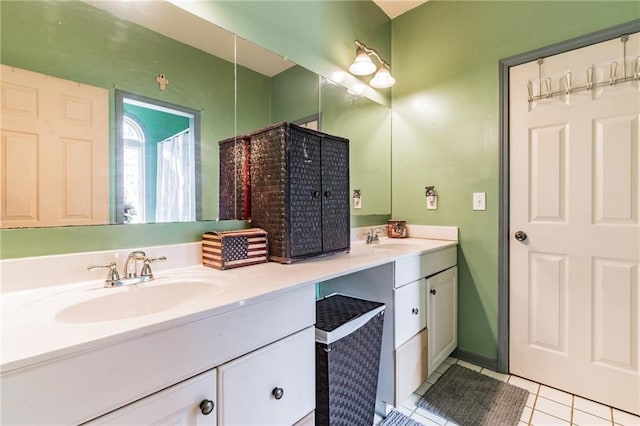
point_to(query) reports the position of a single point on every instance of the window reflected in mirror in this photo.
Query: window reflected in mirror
(158, 157)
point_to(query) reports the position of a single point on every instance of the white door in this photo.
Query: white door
(54, 156)
(575, 179)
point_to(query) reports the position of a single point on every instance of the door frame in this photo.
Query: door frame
(503, 173)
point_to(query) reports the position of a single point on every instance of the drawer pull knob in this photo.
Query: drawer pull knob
(415, 311)
(433, 291)
(277, 393)
(207, 406)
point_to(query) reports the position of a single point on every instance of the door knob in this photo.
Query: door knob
(520, 235)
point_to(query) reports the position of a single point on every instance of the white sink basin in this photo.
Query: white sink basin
(137, 300)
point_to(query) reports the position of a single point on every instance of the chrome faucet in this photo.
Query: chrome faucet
(130, 270)
(134, 256)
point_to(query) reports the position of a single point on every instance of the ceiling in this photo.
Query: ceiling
(394, 8)
(175, 22)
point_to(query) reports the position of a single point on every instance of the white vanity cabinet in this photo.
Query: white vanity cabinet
(85, 385)
(271, 385)
(192, 402)
(420, 328)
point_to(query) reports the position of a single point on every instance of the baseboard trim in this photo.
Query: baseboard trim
(482, 361)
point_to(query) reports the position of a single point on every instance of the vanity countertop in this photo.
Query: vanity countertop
(32, 332)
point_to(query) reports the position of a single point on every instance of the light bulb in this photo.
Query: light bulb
(382, 79)
(362, 65)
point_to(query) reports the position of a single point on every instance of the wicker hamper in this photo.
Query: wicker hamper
(235, 179)
(348, 344)
(300, 191)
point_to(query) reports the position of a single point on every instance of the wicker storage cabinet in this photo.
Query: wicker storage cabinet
(300, 191)
(235, 179)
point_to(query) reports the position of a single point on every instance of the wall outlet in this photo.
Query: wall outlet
(479, 201)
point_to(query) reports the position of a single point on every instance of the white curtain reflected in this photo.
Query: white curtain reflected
(175, 188)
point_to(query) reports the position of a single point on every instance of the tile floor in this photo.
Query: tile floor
(545, 407)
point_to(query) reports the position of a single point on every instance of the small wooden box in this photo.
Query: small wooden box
(233, 249)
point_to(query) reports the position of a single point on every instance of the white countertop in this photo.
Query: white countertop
(31, 334)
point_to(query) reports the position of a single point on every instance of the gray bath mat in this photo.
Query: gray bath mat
(470, 398)
(396, 418)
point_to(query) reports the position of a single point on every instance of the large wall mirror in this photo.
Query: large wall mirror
(155, 59)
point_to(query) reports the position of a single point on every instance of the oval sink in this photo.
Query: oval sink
(394, 246)
(135, 301)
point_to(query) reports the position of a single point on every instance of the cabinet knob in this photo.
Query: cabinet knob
(277, 393)
(315, 194)
(327, 194)
(207, 406)
(415, 311)
(432, 291)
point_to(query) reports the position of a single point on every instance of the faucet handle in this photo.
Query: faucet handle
(112, 273)
(146, 266)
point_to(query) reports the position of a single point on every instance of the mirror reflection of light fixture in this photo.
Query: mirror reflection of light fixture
(363, 65)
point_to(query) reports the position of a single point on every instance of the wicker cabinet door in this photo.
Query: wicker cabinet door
(305, 193)
(335, 194)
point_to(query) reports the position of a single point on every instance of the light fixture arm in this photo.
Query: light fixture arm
(373, 52)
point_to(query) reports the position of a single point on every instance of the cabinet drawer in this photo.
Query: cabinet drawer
(179, 404)
(248, 386)
(409, 269)
(410, 311)
(411, 366)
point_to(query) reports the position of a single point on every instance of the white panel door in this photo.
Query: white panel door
(55, 151)
(575, 184)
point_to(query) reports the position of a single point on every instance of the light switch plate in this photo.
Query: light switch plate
(479, 200)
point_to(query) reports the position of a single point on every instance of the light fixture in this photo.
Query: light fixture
(363, 65)
(382, 79)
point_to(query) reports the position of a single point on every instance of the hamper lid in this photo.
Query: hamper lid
(338, 316)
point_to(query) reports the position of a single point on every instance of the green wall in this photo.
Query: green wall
(445, 125)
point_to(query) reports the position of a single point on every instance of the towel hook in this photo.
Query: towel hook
(567, 81)
(613, 69)
(547, 84)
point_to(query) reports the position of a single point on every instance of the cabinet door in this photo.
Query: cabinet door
(305, 193)
(411, 366)
(335, 194)
(443, 315)
(274, 385)
(411, 311)
(183, 404)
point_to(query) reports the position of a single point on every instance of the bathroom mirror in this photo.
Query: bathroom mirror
(367, 125)
(79, 42)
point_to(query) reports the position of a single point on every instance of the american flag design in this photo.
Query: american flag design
(232, 249)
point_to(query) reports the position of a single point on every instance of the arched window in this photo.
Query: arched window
(134, 171)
